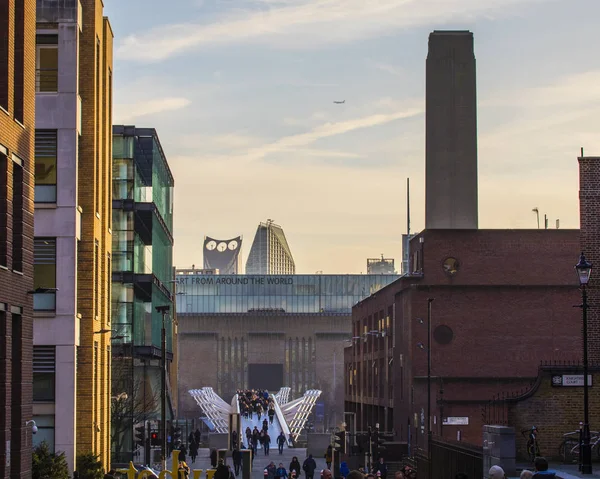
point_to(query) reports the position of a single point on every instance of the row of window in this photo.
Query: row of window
(18, 67)
(18, 202)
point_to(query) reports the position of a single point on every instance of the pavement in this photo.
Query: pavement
(261, 461)
(565, 471)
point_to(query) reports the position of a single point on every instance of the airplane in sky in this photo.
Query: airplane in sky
(339, 102)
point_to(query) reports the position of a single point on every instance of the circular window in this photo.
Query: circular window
(443, 334)
(451, 266)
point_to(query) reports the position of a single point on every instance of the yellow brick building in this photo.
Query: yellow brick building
(73, 214)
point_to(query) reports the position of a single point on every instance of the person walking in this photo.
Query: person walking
(295, 467)
(281, 472)
(382, 468)
(281, 442)
(309, 467)
(193, 451)
(222, 471)
(328, 456)
(249, 437)
(236, 455)
(266, 443)
(213, 458)
(271, 414)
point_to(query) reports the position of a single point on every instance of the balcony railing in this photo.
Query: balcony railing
(46, 80)
(44, 301)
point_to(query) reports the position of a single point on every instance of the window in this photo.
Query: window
(3, 206)
(4, 54)
(17, 223)
(46, 69)
(45, 166)
(19, 65)
(45, 425)
(44, 372)
(44, 274)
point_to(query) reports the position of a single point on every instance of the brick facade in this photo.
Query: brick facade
(94, 276)
(215, 350)
(17, 118)
(589, 214)
(508, 306)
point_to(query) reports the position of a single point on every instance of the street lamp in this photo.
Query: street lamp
(163, 385)
(584, 270)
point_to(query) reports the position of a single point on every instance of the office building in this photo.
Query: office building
(224, 256)
(380, 265)
(451, 132)
(142, 275)
(72, 253)
(265, 331)
(17, 124)
(270, 252)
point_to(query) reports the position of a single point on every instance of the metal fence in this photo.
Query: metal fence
(449, 458)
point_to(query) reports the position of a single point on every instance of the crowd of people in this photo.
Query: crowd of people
(256, 401)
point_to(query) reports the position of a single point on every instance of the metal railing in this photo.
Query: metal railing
(46, 80)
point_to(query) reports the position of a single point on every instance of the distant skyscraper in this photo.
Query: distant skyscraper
(270, 252)
(451, 132)
(380, 266)
(224, 255)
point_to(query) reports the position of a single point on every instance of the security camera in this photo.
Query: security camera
(34, 427)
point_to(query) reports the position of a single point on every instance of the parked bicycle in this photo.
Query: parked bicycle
(569, 447)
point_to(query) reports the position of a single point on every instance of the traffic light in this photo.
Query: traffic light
(176, 435)
(378, 447)
(154, 439)
(140, 435)
(339, 442)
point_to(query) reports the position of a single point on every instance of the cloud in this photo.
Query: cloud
(307, 24)
(128, 112)
(326, 130)
(391, 69)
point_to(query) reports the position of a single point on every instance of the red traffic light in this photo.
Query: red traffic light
(154, 435)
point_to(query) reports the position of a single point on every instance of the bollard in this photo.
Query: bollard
(210, 473)
(196, 473)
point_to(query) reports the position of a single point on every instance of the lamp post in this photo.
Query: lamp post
(163, 386)
(584, 270)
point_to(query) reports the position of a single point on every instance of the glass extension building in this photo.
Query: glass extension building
(142, 280)
(302, 293)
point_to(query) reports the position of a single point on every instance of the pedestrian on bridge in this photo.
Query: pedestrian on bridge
(266, 443)
(271, 414)
(295, 467)
(281, 472)
(280, 442)
(236, 455)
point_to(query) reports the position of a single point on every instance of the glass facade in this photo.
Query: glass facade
(197, 293)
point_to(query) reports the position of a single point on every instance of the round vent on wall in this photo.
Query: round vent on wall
(443, 334)
(450, 266)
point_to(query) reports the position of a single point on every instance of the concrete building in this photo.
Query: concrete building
(265, 331)
(270, 252)
(503, 302)
(142, 275)
(224, 256)
(72, 326)
(17, 123)
(451, 132)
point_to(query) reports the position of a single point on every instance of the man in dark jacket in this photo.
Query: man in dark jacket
(281, 442)
(222, 471)
(236, 455)
(381, 467)
(541, 469)
(309, 467)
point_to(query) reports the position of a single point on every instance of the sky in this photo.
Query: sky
(241, 94)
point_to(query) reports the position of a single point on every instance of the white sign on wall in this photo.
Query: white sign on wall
(570, 380)
(456, 421)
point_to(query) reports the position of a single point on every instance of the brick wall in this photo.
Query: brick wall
(589, 214)
(95, 167)
(554, 411)
(17, 138)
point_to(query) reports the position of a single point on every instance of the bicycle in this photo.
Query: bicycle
(569, 447)
(533, 447)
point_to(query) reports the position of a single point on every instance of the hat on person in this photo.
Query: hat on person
(496, 472)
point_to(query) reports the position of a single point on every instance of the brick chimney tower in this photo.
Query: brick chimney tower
(589, 219)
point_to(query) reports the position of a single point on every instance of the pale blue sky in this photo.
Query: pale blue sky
(241, 93)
